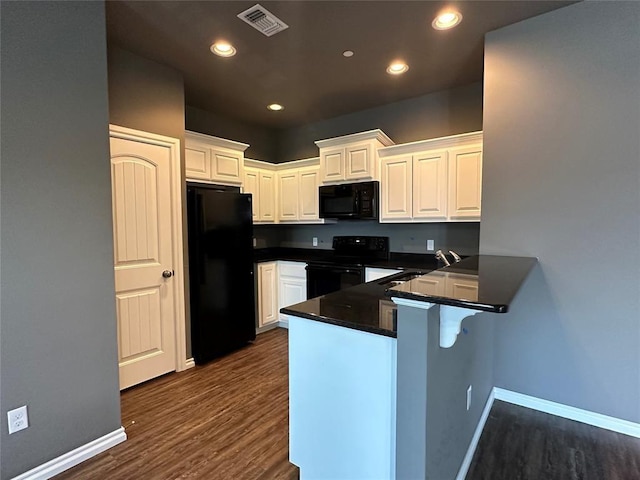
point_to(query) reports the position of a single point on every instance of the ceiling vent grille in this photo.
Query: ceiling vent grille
(262, 20)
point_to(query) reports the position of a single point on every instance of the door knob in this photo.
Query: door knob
(167, 274)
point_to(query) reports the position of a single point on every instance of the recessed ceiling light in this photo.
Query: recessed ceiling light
(223, 49)
(396, 68)
(347, 53)
(276, 107)
(446, 20)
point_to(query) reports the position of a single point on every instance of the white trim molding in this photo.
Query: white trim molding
(466, 462)
(74, 457)
(572, 413)
(189, 363)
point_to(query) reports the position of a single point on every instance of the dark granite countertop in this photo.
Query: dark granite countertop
(482, 282)
(396, 260)
(363, 307)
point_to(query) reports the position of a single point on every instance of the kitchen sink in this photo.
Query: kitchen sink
(400, 278)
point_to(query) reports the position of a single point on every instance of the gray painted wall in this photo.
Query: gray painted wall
(58, 343)
(404, 237)
(449, 112)
(261, 140)
(145, 95)
(434, 428)
(562, 182)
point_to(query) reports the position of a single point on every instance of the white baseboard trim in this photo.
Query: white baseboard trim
(572, 413)
(284, 324)
(189, 363)
(466, 462)
(74, 457)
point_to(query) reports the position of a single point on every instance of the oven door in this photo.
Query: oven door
(323, 279)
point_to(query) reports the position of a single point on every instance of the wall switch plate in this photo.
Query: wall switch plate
(469, 397)
(430, 246)
(18, 419)
(315, 241)
(255, 242)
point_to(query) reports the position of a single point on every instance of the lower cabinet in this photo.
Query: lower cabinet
(267, 293)
(292, 286)
(280, 284)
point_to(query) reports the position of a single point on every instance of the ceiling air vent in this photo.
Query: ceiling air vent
(262, 20)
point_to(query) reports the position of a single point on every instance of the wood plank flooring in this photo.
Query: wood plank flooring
(523, 444)
(225, 420)
(229, 420)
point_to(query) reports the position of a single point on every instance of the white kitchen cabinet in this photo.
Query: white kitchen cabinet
(214, 159)
(288, 186)
(309, 180)
(465, 181)
(292, 286)
(386, 312)
(434, 180)
(260, 183)
(351, 157)
(375, 273)
(396, 188)
(267, 293)
(298, 192)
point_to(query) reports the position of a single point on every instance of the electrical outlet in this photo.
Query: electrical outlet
(315, 241)
(18, 419)
(430, 246)
(469, 397)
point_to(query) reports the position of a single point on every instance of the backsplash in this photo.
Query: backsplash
(464, 238)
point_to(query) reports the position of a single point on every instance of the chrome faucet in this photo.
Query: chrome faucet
(456, 257)
(443, 257)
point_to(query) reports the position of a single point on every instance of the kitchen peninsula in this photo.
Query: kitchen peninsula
(371, 398)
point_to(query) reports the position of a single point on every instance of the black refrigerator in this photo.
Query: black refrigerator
(221, 283)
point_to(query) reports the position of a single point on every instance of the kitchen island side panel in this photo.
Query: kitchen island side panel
(341, 401)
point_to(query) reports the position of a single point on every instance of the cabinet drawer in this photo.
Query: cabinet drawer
(292, 269)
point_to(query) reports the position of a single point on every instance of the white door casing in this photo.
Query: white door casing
(147, 221)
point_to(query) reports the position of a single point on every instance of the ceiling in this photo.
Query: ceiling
(303, 67)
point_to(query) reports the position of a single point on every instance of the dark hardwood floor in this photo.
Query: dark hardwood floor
(229, 420)
(225, 420)
(518, 443)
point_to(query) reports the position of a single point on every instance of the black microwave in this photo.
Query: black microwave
(354, 201)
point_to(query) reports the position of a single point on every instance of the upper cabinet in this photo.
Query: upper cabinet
(433, 180)
(351, 158)
(298, 191)
(260, 182)
(214, 159)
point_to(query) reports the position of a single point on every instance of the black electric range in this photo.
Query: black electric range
(344, 266)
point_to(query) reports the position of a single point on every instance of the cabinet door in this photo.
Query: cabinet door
(430, 185)
(359, 162)
(395, 188)
(251, 185)
(308, 195)
(291, 290)
(386, 311)
(332, 164)
(267, 197)
(462, 287)
(432, 285)
(465, 182)
(197, 162)
(288, 193)
(267, 293)
(226, 165)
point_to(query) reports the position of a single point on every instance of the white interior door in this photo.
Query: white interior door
(143, 259)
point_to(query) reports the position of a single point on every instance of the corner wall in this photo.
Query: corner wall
(58, 325)
(562, 183)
